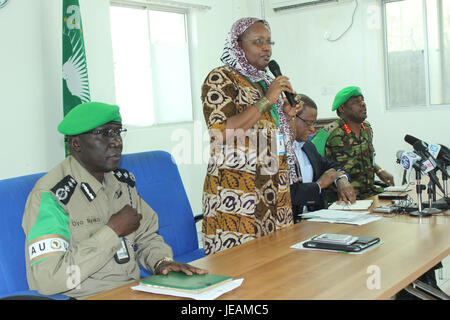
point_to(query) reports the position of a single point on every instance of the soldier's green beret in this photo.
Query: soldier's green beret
(87, 116)
(345, 94)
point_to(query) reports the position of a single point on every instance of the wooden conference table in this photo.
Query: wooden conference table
(274, 271)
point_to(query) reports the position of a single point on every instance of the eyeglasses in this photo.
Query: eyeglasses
(307, 122)
(108, 133)
(259, 42)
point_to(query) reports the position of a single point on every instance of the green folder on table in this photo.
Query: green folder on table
(179, 281)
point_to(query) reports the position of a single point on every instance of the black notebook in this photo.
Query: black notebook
(363, 243)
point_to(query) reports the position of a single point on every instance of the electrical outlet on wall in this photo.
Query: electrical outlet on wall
(327, 90)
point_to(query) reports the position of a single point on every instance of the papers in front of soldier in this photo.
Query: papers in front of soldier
(358, 205)
(404, 188)
(340, 216)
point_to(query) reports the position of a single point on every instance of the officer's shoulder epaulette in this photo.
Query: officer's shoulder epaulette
(64, 189)
(331, 126)
(369, 129)
(126, 176)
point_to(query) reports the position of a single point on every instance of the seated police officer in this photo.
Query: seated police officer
(317, 172)
(87, 229)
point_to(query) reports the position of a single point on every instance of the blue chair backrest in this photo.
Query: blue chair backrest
(158, 182)
(13, 196)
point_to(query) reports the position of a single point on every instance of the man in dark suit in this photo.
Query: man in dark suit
(318, 173)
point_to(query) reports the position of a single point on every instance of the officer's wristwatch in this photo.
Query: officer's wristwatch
(165, 259)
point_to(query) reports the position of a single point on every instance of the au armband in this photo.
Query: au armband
(263, 104)
(43, 247)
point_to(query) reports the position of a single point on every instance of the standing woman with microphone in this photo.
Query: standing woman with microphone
(246, 191)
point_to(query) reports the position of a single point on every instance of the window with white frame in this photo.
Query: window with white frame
(151, 64)
(417, 52)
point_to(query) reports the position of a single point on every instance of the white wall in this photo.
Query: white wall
(31, 85)
(25, 139)
(31, 81)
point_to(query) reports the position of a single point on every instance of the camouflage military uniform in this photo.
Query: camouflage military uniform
(355, 155)
(69, 247)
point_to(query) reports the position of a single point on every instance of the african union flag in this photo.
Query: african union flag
(74, 69)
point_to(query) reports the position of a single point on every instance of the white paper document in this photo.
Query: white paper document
(358, 205)
(397, 188)
(212, 294)
(340, 216)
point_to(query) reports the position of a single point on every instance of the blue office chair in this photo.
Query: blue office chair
(158, 182)
(13, 278)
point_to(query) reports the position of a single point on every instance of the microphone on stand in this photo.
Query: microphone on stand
(444, 154)
(409, 160)
(422, 148)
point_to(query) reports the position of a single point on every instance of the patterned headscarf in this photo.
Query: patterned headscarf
(234, 56)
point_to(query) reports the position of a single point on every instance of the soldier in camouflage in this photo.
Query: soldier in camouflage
(350, 145)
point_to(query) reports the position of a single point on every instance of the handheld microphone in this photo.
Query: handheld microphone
(275, 69)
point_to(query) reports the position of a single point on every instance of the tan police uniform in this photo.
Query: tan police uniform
(69, 247)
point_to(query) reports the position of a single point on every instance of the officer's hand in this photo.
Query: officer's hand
(166, 266)
(328, 177)
(346, 192)
(386, 177)
(292, 111)
(124, 222)
(278, 85)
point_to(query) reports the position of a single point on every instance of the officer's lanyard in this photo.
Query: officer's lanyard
(129, 194)
(138, 204)
(122, 255)
(273, 111)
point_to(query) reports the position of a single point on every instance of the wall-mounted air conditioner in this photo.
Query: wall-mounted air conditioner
(277, 5)
(199, 4)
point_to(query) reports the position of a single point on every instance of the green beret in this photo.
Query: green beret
(87, 116)
(345, 94)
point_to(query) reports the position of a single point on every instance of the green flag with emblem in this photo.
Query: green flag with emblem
(74, 68)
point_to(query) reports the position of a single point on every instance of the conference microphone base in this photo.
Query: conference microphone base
(422, 213)
(439, 204)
